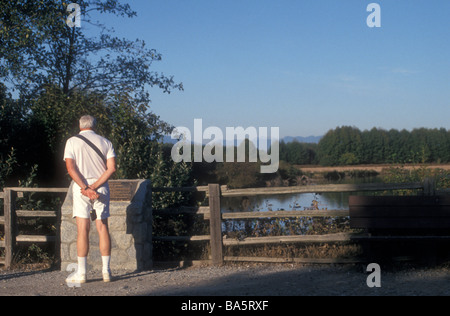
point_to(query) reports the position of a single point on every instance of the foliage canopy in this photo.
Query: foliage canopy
(61, 73)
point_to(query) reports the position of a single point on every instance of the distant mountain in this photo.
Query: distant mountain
(169, 140)
(301, 139)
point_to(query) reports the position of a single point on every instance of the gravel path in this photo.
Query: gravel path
(234, 280)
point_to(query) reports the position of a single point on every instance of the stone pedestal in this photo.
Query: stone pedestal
(130, 227)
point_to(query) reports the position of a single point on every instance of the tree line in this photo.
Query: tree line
(348, 145)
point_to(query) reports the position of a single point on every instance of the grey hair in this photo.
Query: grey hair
(88, 121)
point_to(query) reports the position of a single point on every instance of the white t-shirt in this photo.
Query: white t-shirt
(88, 162)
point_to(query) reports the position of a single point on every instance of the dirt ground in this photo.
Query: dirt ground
(236, 280)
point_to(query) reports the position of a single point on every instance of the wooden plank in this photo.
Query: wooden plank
(39, 190)
(292, 260)
(174, 189)
(57, 243)
(203, 188)
(2, 195)
(10, 225)
(2, 220)
(36, 239)
(400, 212)
(182, 264)
(323, 189)
(25, 213)
(2, 244)
(284, 214)
(399, 200)
(180, 189)
(400, 223)
(187, 189)
(429, 186)
(215, 224)
(443, 191)
(399, 237)
(182, 238)
(339, 237)
(416, 211)
(183, 210)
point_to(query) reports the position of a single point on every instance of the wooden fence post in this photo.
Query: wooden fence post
(215, 224)
(429, 186)
(10, 224)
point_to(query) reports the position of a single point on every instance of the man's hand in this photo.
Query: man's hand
(90, 193)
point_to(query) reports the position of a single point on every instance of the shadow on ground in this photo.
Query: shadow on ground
(312, 281)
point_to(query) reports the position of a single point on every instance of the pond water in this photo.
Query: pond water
(286, 202)
(289, 202)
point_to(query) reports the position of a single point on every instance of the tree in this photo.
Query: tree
(376, 146)
(39, 48)
(298, 153)
(340, 146)
(61, 73)
(18, 143)
(327, 150)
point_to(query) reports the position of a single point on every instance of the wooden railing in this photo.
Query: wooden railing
(201, 210)
(216, 217)
(3, 240)
(9, 221)
(427, 188)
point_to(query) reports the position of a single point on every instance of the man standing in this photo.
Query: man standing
(90, 162)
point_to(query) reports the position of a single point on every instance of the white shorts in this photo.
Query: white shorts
(82, 205)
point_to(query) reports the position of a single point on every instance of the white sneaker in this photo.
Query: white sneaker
(107, 277)
(76, 279)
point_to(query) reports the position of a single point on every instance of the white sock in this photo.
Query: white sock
(82, 265)
(106, 263)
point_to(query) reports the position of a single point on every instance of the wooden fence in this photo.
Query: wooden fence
(216, 217)
(212, 212)
(9, 220)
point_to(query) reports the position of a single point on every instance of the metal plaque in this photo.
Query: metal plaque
(122, 190)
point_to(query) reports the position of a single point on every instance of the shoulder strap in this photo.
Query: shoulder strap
(87, 141)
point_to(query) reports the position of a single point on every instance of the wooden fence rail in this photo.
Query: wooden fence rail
(3, 241)
(10, 216)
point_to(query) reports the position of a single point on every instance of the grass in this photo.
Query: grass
(34, 256)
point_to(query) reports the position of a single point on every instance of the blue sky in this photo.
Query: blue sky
(305, 66)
